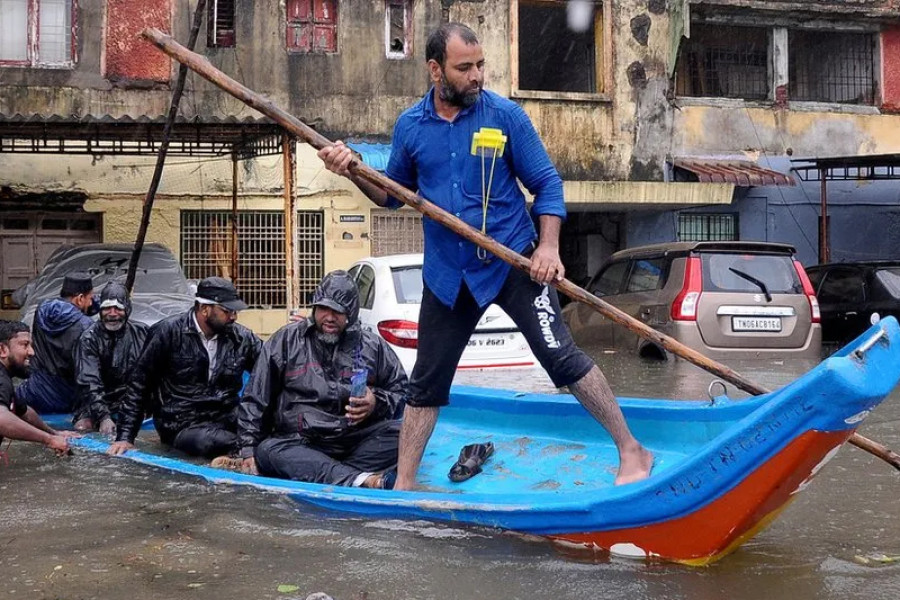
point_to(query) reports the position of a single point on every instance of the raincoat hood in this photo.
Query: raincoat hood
(115, 294)
(56, 315)
(338, 292)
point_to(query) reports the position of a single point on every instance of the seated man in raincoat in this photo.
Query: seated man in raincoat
(58, 324)
(106, 355)
(189, 376)
(331, 393)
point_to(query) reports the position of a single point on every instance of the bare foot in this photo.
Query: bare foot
(634, 465)
(84, 425)
(372, 482)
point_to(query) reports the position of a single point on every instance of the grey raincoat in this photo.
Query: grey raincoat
(301, 386)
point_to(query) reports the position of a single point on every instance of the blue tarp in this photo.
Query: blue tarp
(374, 155)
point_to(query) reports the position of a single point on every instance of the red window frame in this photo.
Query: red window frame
(312, 26)
(32, 40)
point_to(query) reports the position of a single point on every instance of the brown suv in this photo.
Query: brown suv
(723, 299)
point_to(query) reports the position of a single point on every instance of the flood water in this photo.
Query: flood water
(93, 527)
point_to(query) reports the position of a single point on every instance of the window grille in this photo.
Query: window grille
(220, 24)
(696, 227)
(396, 232)
(36, 32)
(206, 250)
(827, 66)
(553, 57)
(312, 25)
(309, 244)
(724, 62)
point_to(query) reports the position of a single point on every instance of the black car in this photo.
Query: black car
(853, 295)
(160, 287)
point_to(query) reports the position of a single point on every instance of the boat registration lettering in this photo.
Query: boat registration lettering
(756, 323)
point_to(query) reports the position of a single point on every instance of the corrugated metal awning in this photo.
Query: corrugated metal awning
(736, 172)
(100, 135)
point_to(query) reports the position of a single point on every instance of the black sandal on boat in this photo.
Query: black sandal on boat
(471, 458)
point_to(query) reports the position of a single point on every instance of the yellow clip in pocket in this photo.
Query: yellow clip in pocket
(488, 139)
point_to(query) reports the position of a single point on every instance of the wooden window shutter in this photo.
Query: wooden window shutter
(220, 24)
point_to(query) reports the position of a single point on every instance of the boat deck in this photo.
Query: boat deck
(545, 453)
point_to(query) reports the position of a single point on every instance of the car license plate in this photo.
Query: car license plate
(487, 342)
(756, 323)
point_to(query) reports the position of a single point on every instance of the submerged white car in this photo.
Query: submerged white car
(390, 294)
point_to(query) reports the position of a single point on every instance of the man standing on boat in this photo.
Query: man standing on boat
(444, 147)
(332, 392)
(58, 323)
(17, 420)
(189, 375)
(107, 353)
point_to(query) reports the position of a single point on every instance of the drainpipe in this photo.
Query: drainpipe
(290, 163)
(823, 225)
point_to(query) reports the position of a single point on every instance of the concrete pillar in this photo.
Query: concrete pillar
(780, 65)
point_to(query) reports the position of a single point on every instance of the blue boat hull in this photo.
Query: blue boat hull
(723, 469)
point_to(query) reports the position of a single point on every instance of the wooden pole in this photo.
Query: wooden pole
(290, 271)
(163, 150)
(234, 218)
(292, 124)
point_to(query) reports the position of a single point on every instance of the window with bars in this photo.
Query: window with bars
(309, 242)
(396, 232)
(827, 66)
(724, 62)
(206, 250)
(37, 33)
(397, 28)
(312, 26)
(220, 24)
(552, 56)
(714, 227)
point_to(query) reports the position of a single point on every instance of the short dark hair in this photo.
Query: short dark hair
(10, 329)
(436, 46)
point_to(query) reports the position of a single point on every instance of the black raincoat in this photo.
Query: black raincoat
(171, 379)
(105, 361)
(301, 386)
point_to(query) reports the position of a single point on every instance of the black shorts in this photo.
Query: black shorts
(444, 332)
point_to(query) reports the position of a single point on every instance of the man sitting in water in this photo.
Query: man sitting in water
(189, 375)
(17, 420)
(58, 323)
(107, 353)
(332, 392)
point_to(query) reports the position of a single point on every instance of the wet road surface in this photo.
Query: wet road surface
(93, 527)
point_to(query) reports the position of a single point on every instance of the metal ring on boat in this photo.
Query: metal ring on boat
(709, 390)
(867, 345)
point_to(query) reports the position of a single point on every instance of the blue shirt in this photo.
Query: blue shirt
(433, 156)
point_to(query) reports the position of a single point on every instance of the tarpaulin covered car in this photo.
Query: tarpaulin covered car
(160, 287)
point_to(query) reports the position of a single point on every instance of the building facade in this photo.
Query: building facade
(642, 106)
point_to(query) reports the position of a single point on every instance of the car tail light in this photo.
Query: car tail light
(400, 333)
(684, 308)
(809, 292)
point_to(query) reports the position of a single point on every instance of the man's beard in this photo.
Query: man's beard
(20, 371)
(329, 339)
(113, 324)
(462, 99)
